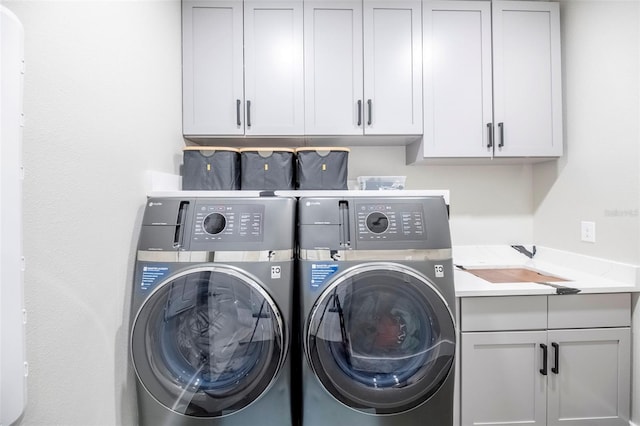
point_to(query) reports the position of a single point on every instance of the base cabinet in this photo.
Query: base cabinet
(564, 376)
(500, 385)
(589, 382)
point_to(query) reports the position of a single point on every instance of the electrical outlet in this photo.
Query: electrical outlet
(588, 231)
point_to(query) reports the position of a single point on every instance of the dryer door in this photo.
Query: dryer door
(208, 342)
(381, 338)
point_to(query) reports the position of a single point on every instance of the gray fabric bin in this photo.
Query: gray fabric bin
(267, 168)
(210, 168)
(322, 168)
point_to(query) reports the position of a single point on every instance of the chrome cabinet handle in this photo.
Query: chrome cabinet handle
(359, 112)
(501, 129)
(369, 111)
(238, 103)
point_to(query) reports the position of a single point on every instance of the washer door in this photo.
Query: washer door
(381, 339)
(208, 342)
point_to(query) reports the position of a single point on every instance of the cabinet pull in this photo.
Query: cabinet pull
(501, 129)
(543, 370)
(238, 103)
(369, 111)
(556, 360)
(248, 113)
(489, 135)
(359, 112)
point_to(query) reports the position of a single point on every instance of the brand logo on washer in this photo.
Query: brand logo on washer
(152, 204)
(276, 272)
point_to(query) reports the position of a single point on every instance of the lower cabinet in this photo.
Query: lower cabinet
(588, 380)
(514, 372)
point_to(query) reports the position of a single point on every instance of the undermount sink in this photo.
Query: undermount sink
(513, 275)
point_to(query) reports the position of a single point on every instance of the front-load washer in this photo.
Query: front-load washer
(378, 308)
(211, 311)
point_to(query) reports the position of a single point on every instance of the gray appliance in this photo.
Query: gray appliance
(378, 303)
(211, 311)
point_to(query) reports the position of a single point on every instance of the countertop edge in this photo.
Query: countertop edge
(579, 271)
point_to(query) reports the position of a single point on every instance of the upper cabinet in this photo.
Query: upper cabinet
(242, 67)
(462, 78)
(363, 67)
(492, 80)
(527, 91)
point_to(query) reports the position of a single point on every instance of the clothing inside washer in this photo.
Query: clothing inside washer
(381, 331)
(385, 331)
(212, 342)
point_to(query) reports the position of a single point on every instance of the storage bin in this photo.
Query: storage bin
(267, 168)
(322, 168)
(210, 168)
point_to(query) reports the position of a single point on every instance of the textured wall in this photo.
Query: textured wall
(102, 104)
(598, 179)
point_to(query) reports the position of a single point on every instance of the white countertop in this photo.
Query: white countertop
(589, 274)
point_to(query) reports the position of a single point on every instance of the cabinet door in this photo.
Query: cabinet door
(392, 67)
(501, 382)
(274, 93)
(333, 67)
(526, 78)
(591, 386)
(212, 67)
(457, 79)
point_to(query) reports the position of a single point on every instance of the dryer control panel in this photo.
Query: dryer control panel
(222, 222)
(390, 221)
(373, 223)
(210, 224)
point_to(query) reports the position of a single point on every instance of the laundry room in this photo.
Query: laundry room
(103, 125)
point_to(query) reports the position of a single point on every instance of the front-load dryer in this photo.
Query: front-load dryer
(211, 311)
(378, 307)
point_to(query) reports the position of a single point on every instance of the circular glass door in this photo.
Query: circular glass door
(381, 339)
(208, 342)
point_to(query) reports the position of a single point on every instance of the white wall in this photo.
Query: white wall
(598, 179)
(102, 103)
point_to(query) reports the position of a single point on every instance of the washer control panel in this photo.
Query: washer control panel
(387, 221)
(228, 223)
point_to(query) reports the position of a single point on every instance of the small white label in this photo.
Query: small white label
(439, 269)
(276, 272)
